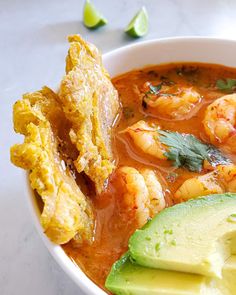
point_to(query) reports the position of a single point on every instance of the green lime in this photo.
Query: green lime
(138, 26)
(92, 18)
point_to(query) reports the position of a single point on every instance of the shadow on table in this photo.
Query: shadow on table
(104, 38)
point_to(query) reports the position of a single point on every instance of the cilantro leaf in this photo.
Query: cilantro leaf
(172, 176)
(185, 150)
(227, 85)
(155, 89)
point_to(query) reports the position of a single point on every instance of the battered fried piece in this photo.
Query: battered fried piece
(67, 213)
(90, 103)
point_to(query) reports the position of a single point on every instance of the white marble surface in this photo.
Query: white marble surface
(32, 51)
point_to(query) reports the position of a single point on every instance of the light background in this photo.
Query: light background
(32, 52)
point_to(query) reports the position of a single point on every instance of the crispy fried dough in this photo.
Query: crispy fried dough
(72, 128)
(67, 213)
(90, 102)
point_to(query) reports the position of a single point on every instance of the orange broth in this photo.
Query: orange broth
(114, 224)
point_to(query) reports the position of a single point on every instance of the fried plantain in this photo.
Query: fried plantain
(67, 212)
(90, 102)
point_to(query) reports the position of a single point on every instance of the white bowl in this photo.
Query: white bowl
(186, 49)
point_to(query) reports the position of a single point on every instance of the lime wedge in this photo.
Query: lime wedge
(92, 18)
(138, 26)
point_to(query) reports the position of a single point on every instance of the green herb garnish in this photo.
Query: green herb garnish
(171, 177)
(227, 85)
(154, 89)
(185, 150)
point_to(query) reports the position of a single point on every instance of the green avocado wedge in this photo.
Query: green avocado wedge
(127, 278)
(197, 236)
(227, 285)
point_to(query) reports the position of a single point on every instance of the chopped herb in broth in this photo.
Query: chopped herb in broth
(227, 85)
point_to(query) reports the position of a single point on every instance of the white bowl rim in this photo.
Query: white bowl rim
(74, 271)
(168, 39)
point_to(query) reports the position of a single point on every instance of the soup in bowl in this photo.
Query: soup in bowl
(116, 167)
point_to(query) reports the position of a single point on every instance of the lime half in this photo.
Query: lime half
(92, 18)
(138, 26)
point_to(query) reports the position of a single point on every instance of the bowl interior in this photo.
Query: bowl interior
(208, 50)
(185, 49)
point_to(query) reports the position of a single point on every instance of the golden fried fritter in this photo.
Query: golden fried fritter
(90, 102)
(72, 129)
(67, 213)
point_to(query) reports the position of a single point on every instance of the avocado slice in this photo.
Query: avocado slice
(194, 237)
(128, 278)
(228, 284)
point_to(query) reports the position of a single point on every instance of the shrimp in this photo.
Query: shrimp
(145, 136)
(220, 120)
(221, 180)
(227, 175)
(199, 186)
(142, 193)
(170, 101)
(156, 196)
